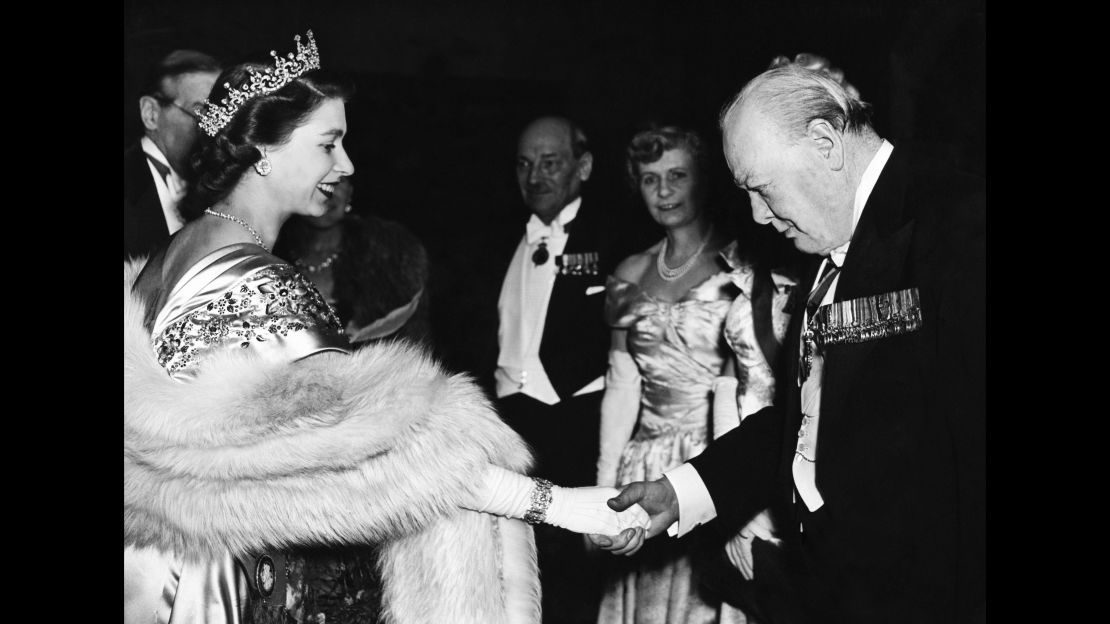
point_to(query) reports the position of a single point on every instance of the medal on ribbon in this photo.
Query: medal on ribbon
(860, 320)
(578, 263)
(868, 318)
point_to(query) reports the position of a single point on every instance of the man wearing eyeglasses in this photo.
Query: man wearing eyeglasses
(156, 168)
(545, 318)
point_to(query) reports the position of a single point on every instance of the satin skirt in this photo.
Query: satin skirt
(162, 588)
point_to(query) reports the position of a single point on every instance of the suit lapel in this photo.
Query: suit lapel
(144, 222)
(581, 233)
(580, 238)
(875, 264)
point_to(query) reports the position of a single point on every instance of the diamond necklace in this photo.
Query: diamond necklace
(312, 268)
(669, 274)
(257, 238)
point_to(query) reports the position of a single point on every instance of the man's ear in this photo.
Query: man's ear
(585, 166)
(148, 112)
(828, 141)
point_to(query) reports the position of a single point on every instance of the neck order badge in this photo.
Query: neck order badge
(541, 254)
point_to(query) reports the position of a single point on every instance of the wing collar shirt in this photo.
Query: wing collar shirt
(694, 503)
(522, 308)
(170, 189)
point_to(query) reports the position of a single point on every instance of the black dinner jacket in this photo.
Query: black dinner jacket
(901, 442)
(575, 343)
(144, 224)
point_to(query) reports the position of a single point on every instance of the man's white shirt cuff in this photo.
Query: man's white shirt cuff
(695, 506)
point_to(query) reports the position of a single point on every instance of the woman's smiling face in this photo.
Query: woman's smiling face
(669, 187)
(307, 167)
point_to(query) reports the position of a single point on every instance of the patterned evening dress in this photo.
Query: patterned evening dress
(234, 298)
(224, 424)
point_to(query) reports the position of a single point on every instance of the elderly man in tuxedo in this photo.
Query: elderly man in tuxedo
(875, 460)
(156, 169)
(553, 342)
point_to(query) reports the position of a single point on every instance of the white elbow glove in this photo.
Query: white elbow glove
(503, 493)
(581, 510)
(620, 407)
(726, 415)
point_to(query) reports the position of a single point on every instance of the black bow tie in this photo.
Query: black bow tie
(161, 168)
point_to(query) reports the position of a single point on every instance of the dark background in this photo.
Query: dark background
(444, 89)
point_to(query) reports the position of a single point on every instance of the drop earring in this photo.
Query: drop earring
(263, 166)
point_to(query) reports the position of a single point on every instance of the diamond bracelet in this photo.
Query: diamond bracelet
(541, 500)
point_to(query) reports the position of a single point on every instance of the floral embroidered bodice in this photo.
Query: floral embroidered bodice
(239, 297)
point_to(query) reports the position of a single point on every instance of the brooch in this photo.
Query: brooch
(265, 576)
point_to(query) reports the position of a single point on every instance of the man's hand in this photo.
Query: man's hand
(660, 502)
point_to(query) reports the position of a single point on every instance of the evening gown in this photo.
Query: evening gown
(754, 329)
(231, 449)
(229, 299)
(679, 349)
(756, 343)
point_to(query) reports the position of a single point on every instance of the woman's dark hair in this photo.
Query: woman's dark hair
(648, 145)
(220, 161)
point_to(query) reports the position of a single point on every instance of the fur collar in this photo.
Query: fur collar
(378, 446)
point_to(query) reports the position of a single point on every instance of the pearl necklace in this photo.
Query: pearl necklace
(312, 268)
(668, 274)
(257, 238)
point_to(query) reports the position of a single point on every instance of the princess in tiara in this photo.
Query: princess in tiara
(251, 427)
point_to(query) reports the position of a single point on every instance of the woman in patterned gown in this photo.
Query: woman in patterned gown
(668, 350)
(250, 426)
(373, 271)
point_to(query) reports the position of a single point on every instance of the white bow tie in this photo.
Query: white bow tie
(538, 230)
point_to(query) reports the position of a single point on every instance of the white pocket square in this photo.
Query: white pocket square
(593, 290)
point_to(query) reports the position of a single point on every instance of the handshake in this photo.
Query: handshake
(641, 510)
(617, 521)
(620, 521)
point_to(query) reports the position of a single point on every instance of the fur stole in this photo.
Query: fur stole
(379, 446)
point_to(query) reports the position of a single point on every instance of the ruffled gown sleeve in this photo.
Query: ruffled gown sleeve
(754, 328)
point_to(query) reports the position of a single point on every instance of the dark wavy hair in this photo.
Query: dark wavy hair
(648, 145)
(219, 162)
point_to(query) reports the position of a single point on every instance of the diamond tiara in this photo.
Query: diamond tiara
(214, 117)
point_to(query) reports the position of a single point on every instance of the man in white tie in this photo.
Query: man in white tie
(874, 463)
(156, 169)
(553, 342)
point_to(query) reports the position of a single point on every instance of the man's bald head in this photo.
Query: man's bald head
(555, 125)
(798, 143)
(792, 96)
(552, 162)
